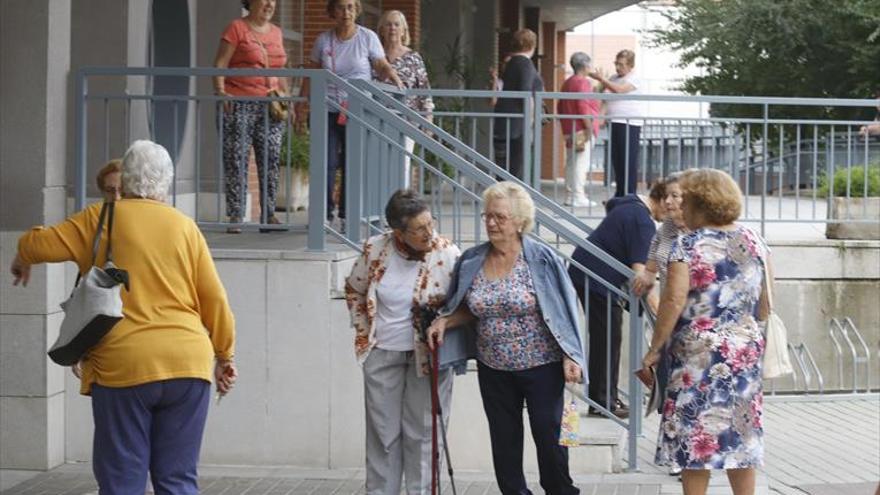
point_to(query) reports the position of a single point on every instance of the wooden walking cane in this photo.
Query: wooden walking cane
(435, 407)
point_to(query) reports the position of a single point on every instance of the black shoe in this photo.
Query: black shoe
(273, 220)
(620, 410)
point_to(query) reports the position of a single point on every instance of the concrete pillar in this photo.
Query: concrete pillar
(34, 66)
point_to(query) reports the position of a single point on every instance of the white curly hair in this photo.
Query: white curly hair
(522, 208)
(147, 170)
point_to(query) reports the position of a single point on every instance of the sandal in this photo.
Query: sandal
(234, 229)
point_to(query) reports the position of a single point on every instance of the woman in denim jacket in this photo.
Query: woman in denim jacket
(517, 295)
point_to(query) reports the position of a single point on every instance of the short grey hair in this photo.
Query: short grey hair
(579, 61)
(147, 170)
(403, 206)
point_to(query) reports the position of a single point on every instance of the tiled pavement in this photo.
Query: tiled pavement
(814, 445)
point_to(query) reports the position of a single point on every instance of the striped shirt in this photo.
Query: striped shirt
(661, 246)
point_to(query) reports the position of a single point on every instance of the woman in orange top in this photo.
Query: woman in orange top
(250, 42)
(149, 377)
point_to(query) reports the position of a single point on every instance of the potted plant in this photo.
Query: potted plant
(294, 171)
(862, 204)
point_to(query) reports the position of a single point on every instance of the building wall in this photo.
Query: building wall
(34, 65)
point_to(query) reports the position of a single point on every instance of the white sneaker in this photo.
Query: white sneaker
(582, 203)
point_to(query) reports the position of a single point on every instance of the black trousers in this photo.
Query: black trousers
(503, 393)
(625, 157)
(511, 160)
(603, 362)
(335, 161)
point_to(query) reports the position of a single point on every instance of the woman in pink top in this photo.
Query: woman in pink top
(250, 42)
(579, 155)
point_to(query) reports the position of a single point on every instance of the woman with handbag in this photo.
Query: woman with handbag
(350, 51)
(150, 376)
(251, 42)
(708, 321)
(514, 291)
(580, 133)
(400, 274)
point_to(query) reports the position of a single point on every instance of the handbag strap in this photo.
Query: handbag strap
(105, 208)
(265, 57)
(767, 287)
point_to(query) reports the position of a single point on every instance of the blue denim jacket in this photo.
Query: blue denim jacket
(555, 294)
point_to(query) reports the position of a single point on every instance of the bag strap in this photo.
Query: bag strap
(767, 286)
(110, 210)
(97, 239)
(107, 206)
(265, 57)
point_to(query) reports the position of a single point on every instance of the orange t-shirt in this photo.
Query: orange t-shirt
(251, 52)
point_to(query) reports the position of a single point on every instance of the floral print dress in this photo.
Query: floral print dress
(711, 416)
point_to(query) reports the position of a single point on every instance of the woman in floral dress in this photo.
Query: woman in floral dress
(709, 314)
(394, 34)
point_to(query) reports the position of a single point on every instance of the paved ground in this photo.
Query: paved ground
(815, 445)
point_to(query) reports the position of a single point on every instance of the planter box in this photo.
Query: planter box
(854, 209)
(297, 182)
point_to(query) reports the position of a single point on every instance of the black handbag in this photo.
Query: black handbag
(94, 305)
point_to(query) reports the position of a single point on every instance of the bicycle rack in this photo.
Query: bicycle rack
(841, 329)
(805, 362)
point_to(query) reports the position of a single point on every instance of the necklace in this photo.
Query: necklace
(505, 268)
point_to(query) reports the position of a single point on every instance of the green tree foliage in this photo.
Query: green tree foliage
(803, 48)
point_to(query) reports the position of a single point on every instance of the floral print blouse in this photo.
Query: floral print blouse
(511, 334)
(411, 69)
(430, 289)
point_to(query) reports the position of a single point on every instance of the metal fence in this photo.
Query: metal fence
(786, 166)
(780, 163)
(449, 171)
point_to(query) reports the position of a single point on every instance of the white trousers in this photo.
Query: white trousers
(577, 167)
(398, 414)
(408, 181)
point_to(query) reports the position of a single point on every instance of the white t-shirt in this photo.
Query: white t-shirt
(394, 303)
(348, 59)
(619, 110)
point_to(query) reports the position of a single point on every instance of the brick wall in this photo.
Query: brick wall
(316, 22)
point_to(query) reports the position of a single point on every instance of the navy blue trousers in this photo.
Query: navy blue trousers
(625, 157)
(156, 426)
(503, 394)
(335, 161)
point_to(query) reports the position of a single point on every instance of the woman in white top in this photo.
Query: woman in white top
(350, 51)
(626, 123)
(400, 274)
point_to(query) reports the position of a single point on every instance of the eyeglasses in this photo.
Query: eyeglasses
(498, 218)
(426, 229)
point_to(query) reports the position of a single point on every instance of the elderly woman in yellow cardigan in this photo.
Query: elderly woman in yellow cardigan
(150, 376)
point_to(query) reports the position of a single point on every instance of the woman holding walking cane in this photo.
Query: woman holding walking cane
(400, 274)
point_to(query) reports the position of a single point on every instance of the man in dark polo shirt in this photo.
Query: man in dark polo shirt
(625, 234)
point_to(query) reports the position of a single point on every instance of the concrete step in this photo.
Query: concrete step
(602, 444)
